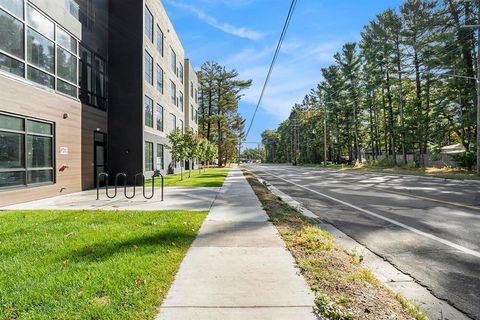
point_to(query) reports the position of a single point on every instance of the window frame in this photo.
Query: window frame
(145, 99)
(152, 154)
(26, 169)
(95, 73)
(148, 69)
(160, 86)
(181, 101)
(173, 93)
(150, 35)
(160, 35)
(174, 121)
(173, 61)
(26, 64)
(162, 128)
(160, 147)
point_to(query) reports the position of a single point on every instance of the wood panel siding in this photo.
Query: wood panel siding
(21, 98)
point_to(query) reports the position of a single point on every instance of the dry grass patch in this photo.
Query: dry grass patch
(345, 289)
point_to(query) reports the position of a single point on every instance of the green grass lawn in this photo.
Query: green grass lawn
(213, 177)
(90, 264)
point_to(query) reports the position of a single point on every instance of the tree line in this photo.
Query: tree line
(405, 90)
(219, 120)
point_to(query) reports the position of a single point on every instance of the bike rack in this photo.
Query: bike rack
(124, 175)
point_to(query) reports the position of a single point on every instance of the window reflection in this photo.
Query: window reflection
(40, 22)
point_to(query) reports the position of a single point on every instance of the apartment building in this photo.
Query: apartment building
(87, 86)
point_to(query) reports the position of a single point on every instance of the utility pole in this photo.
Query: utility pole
(477, 27)
(478, 88)
(324, 134)
(294, 129)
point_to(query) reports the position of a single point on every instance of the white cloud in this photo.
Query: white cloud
(296, 72)
(241, 32)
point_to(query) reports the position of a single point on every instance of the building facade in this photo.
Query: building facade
(87, 86)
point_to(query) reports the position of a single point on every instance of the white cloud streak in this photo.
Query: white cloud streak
(241, 32)
(296, 72)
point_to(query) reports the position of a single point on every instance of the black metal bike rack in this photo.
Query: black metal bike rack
(124, 175)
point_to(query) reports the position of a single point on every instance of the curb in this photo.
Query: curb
(385, 271)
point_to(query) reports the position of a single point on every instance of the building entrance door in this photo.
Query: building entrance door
(100, 155)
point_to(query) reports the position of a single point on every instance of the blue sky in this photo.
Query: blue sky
(242, 35)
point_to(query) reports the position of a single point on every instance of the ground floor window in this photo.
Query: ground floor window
(148, 156)
(26, 151)
(160, 159)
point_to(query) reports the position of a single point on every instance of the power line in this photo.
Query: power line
(274, 60)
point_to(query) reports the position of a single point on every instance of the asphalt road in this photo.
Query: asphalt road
(428, 228)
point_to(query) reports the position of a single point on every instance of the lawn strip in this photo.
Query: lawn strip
(211, 177)
(344, 288)
(90, 264)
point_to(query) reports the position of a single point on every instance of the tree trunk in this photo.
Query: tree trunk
(418, 91)
(391, 125)
(372, 133)
(220, 141)
(400, 103)
(385, 133)
(209, 125)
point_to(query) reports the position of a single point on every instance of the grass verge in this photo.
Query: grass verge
(212, 177)
(90, 264)
(345, 289)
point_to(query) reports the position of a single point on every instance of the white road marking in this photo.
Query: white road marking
(400, 224)
(456, 204)
(414, 196)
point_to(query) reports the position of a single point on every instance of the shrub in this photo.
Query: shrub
(466, 159)
(329, 309)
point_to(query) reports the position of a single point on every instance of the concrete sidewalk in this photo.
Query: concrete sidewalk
(176, 198)
(238, 267)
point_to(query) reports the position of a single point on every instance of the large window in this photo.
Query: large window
(180, 98)
(40, 23)
(36, 48)
(148, 111)
(40, 51)
(26, 151)
(148, 156)
(148, 24)
(191, 113)
(14, 6)
(174, 121)
(181, 127)
(160, 79)
(160, 40)
(191, 89)
(11, 35)
(160, 157)
(12, 65)
(66, 63)
(93, 79)
(86, 14)
(173, 93)
(148, 68)
(173, 61)
(159, 117)
(180, 72)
